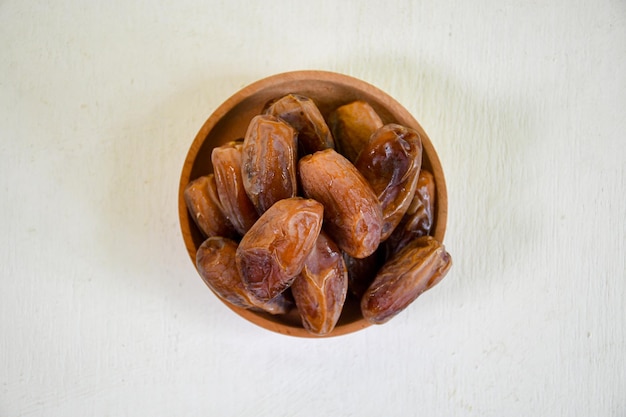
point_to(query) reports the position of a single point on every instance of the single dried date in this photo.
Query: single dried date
(215, 260)
(268, 161)
(205, 208)
(352, 213)
(391, 162)
(352, 125)
(320, 289)
(302, 113)
(415, 269)
(273, 252)
(238, 208)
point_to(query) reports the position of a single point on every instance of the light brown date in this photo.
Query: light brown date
(238, 208)
(320, 289)
(391, 163)
(302, 113)
(416, 268)
(418, 219)
(215, 261)
(273, 252)
(352, 213)
(352, 125)
(268, 161)
(205, 208)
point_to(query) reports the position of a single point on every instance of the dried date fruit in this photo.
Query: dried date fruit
(391, 163)
(205, 208)
(215, 261)
(352, 125)
(302, 113)
(268, 161)
(320, 289)
(419, 218)
(238, 208)
(273, 252)
(352, 213)
(415, 269)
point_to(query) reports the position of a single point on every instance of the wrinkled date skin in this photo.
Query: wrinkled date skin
(419, 218)
(352, 213)
(215, 261)
(205, 208)
(268, 161)
(391, 163)
(274, 250)
(302, 113)
(416, 268)
(320, 289)
(352, 125)
(238, 208)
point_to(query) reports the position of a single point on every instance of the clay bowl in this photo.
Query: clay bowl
(230, 121)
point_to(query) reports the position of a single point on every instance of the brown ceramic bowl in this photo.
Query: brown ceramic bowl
(329, 90)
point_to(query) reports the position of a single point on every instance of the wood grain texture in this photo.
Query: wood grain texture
(101, 312)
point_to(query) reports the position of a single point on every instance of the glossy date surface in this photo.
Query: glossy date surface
(391, 162)
(320, 289)
(272, 253)
(403, 278)
(352, 125)
(302, 113)
(215, 261)
(419, 218)
(268, 161)
(352, 213)
(238, 207)
(206, 209)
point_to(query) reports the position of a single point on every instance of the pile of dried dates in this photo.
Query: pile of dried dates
(305, 211)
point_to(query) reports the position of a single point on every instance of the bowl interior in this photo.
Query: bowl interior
(329, 91)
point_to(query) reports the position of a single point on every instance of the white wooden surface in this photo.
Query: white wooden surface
(102, 313)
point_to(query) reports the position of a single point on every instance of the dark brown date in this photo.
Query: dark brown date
(302, 113)
(352, 213)
(361, 272)
(391, 163)
(413, 270)
(237, 206)
(320, 289)
(273, 252)
(268, 161)
(205, 208)
(352, 125)
(418, 219)
(215, 261)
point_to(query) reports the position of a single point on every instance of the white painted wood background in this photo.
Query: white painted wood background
(102, 313)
